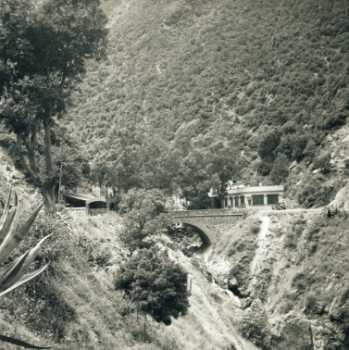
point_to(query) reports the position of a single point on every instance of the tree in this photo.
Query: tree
(41, 57)
(143, 219)
(279, 172)
(268, 144)
(154, 284)
(153, 201)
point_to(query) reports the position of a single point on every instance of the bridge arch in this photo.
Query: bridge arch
(207, 222)
(206, 242)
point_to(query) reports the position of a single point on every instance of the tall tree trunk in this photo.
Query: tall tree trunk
(30, 144)
(30, 168)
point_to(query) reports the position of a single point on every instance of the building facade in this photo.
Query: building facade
(241, 196)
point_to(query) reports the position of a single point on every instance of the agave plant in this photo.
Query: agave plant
(15, 274)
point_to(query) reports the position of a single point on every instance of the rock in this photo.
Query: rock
(293, 333)
(326, 336)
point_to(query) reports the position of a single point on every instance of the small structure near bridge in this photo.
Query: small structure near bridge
(241, 196)
(90, 204)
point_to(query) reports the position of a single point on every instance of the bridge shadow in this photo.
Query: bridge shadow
(206, 242)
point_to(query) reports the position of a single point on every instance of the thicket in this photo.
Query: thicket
(316, 193)
(153, 283)
(142, 213)
(189, 119)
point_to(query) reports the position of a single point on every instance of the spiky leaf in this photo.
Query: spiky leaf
(7, 216)
(12, 272)
(20, 343)
(15, 273)
(14, 237)
(7, 223)
(34, 251)
(24, 279)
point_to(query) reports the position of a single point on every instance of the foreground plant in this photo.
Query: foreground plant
(15, 275)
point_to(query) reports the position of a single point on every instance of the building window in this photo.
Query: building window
(273, 198)
(225, 202)
(236, 200)
(258, 199)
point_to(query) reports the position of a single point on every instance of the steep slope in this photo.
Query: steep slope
(184, 81)
(291, 276)
(74, 304)
(275, 280)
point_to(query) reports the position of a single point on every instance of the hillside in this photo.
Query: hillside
(274, 280)
(186, 95)
(289, 271)
(211, 90)
(74, 304)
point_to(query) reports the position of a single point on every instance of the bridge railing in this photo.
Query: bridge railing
(207, 212)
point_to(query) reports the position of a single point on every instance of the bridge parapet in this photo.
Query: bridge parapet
(207, 212)
(208, 216)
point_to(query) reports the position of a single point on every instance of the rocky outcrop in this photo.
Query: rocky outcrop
(297, 294)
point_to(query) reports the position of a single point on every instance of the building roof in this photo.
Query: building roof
(254, 189)
(81, 198)
(242, 190)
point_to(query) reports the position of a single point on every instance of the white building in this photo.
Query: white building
(241, 196)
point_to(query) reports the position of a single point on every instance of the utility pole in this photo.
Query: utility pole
(59, 196)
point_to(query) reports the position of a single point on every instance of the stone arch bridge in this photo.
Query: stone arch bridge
(207, 221)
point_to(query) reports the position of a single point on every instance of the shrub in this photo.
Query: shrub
(264, 168)
(293, 146)
(253, 325)
(312, 306)
(299, 145)
(279, 172)
(268, 144)
(310, 149)
(290, 240)
(143, 219)
(154, 284)
(334, 120)
(139, 229)
(323, 162)
(46, 301)
(153, 201)
(315, 194)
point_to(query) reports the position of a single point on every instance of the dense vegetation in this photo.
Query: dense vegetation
(43, 48)
(153, 283)
(192, 92)
(143, 219)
